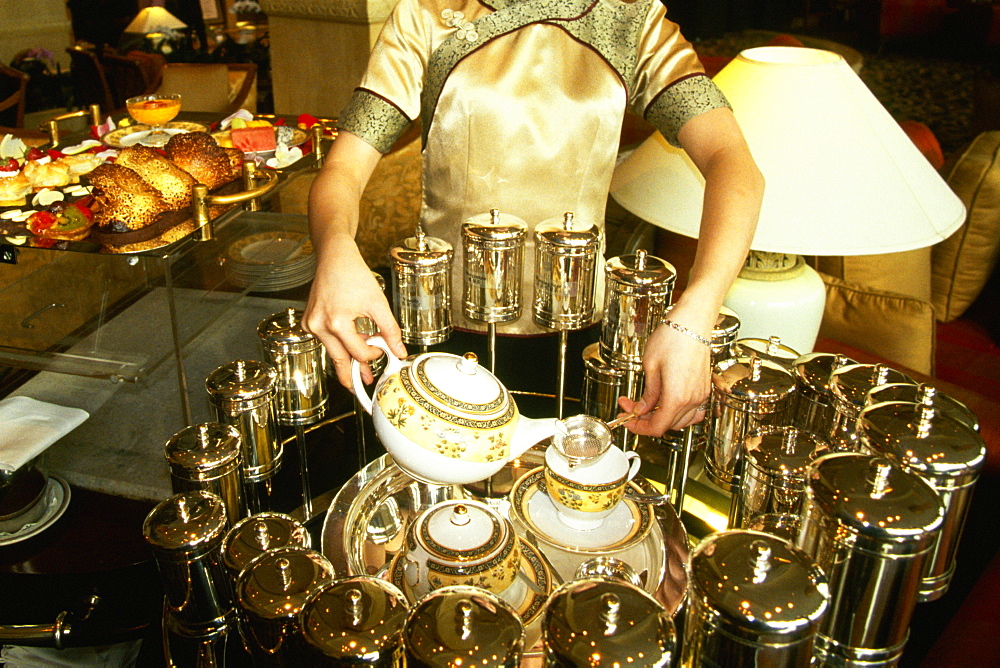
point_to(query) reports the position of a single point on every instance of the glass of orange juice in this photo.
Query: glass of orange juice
(154, 110)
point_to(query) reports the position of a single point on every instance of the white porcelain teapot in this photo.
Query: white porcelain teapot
(444, 418)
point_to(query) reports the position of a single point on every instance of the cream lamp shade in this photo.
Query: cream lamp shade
(154, 20)
(842, 178)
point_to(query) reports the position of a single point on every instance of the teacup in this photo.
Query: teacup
(585, 494)
(461, 542)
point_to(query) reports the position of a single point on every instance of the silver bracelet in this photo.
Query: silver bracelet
(688, 332)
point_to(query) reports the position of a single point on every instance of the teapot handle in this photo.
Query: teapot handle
(392, 366)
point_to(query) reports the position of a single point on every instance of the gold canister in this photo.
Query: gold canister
(566, 258)
(271, 592)
(421, 288)
(927, 395)
(753, 600)
(243, 395)
(814, 410)
(300, 361)
(724, 334)
(493, 246)
(849, 388)
(871, 526)
(771, 349)
(944, 452)
(355, 621)
(208, 457)
(748, 393)
(638, 291)
(462, 625)
(253, 536)
(606, 622)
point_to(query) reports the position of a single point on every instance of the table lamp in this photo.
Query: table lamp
(842, 178)
(156, 23)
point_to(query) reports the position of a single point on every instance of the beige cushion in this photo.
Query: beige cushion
(962, 263)
(908, 273)
(897, 327)
(203, 86)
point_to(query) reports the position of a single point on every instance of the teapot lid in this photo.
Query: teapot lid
(759, 583)
(276, 584)
(849, 385)
(927, 394)
(457, 386)
(923, 438)
(256, 534)
(813, 370)
(458, 530)
(357, 620)
(783, 452)
(463, 625)
(618, 621)
(769, 349)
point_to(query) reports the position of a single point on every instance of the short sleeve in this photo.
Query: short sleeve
(669, 85)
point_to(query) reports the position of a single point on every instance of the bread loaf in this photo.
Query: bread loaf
(198, 154)
(173, 183)
(127, 201)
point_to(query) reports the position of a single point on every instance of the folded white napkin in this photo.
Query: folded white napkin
(29, 426)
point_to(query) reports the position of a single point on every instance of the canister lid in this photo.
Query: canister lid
(285, 329)
(495, 226)
(203, 447)
(568, 232)
(463, 625)
(641, 271)
(727, 326)
(276, 584)
(923, 438)
(186, 523)
(759, 584)
(421, 250)
(927, 394)
(783, 452)
(613, 620)
(357, 620)
(240, 380)
(849, 385)
(752, 380)
(873, 497)
(252, 536)
(771, 349)
(813, 371)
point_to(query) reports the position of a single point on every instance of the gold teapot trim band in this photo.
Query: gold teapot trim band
(495, 423)
(452, 401)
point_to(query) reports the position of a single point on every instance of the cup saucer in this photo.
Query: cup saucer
(625, 526)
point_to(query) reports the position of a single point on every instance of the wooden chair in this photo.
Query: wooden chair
(127, 77)
(212, 87)
(90, 84)
(13, 84)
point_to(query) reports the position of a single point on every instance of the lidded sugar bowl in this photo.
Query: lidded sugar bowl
(600, 621)
(460, 542)
(755, 600)
(446, 419)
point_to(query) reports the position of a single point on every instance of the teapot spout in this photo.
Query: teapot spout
(529, 432)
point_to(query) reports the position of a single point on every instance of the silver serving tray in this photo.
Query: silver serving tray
(367, 522)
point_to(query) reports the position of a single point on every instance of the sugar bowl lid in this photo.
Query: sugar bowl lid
(923, 438)
(356, 621)
(276, 584)
(463, 625)
(752, 380)
(782, 452)
(254, 535)
(568, 232)
(458, 531)
(241, 380)
(758, 584)
(770, 349)
(606, 618)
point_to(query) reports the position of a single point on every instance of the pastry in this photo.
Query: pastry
(46, 173)
(80, 164)
(173, 183)
(198, 154)
(14, 186)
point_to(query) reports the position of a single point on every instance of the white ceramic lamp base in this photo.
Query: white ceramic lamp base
(779, 295)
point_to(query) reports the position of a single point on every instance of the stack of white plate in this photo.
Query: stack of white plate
(270, 261)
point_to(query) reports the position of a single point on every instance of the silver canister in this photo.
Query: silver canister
(748, 394)
(421, 288)
(243, 395)
(604, 622)
(463, 625)
(870, 525)
(185, 532)
(603, 383)
(638, 291)
(814, 410)
(270, 593)
(771, 349)
(300, 361)
(849, 388)
(753, 600)
(253, 536)
(947, 454)
(356, 621)
(208, 457)
(773, 484)
(724, 334)
(493, 246)
(926, 394)
(566, 255)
